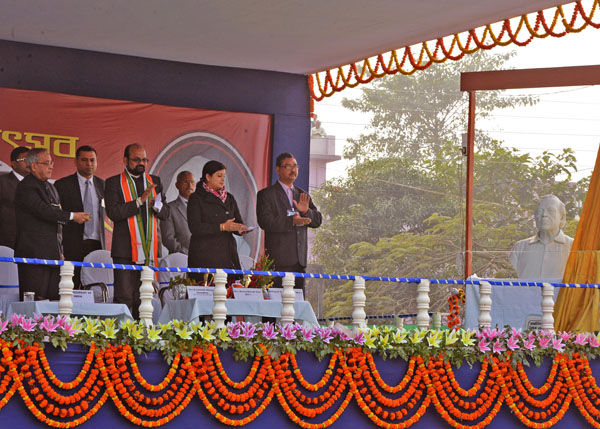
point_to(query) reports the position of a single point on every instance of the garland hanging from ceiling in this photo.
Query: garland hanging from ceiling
(519, 31)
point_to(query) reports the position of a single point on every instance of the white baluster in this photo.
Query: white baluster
(219, 298)
(146, 294)
(399, 322)
(359, 300)
(547, 307)
(485, 304)
(330, 323)
(423, 304)
(288, 296)
(436, 323)
(65, 289)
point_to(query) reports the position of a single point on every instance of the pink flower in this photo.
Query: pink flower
(70, 329)
(38, 317)
(359, 338)
(288, 332)
(557, 344)
(248, 330)
(48, 324)
(531, 336)
(62, 321)
(544, 342)
(28, 325)
(325, 334)
(268, 331)
(307, 333)
(593, 341)
(234, 330)
(516, 332)
(483, 346)
(565, 336)
(3, 324)
(529, 344)
(498, 347)
(512, 343)
(16, 319)
(581, 340)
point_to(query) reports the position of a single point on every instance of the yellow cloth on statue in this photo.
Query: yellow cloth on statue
(577, 309)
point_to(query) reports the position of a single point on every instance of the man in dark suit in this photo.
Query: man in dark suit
(284, 212)
(134, 202)
(82, 192)
(175, 230)
(39, 226)
(8, 186)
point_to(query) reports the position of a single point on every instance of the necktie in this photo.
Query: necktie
(88, 206)
(50, 194)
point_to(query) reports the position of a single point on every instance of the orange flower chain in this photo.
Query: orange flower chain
(406, 62)
(112, 373)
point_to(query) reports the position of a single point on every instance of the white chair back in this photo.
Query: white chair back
(171, 260)
(9, 280)
(99, 275)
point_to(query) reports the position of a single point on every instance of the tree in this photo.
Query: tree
(400, 210)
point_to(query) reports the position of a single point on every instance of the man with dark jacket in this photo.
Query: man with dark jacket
(39, 226)
(284, 212)
(82, 191)
(8, 186)
(134, 202)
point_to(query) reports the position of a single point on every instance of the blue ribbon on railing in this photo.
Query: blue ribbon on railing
(476, 282)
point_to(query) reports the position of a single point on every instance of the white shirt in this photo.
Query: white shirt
(535, 260)
(183, 199)
(289, 191)
(95, 212)
(18, 176)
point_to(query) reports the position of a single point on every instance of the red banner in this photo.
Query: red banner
(175, 139)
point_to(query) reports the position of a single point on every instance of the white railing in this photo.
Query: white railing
(359, 319)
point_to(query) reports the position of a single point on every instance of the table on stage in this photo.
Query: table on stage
(193, 309)
(118, 311)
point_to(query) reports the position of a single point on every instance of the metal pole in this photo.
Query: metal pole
(469, 189)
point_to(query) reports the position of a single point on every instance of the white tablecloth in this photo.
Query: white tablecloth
(511, 305)
(118, 311)
(192, 309)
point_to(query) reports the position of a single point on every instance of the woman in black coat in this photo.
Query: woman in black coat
(213, 218)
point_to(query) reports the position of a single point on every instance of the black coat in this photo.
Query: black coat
(210, 247)
(39, 221)
(119, 211)
(285, 243)
(70, 199)
(8, 225)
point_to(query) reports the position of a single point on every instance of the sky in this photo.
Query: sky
(563, 117)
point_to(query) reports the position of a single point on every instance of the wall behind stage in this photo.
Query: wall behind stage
(175, 139)
(70, 71)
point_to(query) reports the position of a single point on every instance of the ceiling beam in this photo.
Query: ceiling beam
(530, 78)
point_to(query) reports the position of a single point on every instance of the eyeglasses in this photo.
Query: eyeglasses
(46, 163)
(140, 160)
(291, 167)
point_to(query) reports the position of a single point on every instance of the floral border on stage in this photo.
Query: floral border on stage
(110, 372)
(520, 31)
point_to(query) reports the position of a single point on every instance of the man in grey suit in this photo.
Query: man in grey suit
(83, 191)
(175, 231)
(284, 212)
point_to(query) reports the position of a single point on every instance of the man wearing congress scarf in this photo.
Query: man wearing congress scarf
(134, 202)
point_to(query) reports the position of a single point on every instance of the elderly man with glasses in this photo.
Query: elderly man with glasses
(134, 202)
(39, 226)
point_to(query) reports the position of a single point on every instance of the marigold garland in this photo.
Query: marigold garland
(326, 83)
(350, 374)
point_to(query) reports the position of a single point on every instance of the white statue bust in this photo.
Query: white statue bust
(544, 255)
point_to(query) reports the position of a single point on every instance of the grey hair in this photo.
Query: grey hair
(33, 156)
(561, 208)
